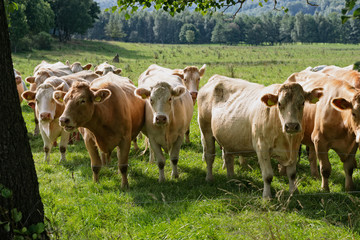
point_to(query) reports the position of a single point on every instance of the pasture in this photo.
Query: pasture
(189, 207)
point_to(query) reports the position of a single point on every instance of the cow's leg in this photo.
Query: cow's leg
(313, 162)
(266, 169)
(47, 145)
(123, 157)
(36, 130)
(63, 144)
(208, 142)
(187, 138)
(105, 158)
(349, 164)
(325, 166)
(291, 173)
(174, 156)
(94, 156)
(157, 152)
(136, 147)
(229, 162)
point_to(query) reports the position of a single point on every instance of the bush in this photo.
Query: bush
(23, 45)
(42, 41)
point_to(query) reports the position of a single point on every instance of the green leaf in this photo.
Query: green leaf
(344, 19)
(16, 215)
(113, 9)
(7, 227)
(127, 16)
(6, 193)
(344, 11)
(260, 4)
(356, 12)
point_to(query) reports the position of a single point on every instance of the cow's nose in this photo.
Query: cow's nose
(292, 127)
(160, 119)
(194, 95)
(64, 121)
(45, 116)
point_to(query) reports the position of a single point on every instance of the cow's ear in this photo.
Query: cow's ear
(178, 91)
(341, 104)
(142, 93)
(269, 99)
(28, 95)
(17, 72)
(179, 73)
(314, 95)
(60, 87)
(32, 105)
(101, 95)
(58, 96)
(67, 63)
(87, 66)
(292, 77)
(30, 79)
(98, 72)
(117, 71)
(45, 73)
(202, 70)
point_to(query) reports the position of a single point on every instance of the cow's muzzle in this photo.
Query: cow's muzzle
(45, 116)
(194, 95)
(292, 127)
(160, 120)
(65, 123)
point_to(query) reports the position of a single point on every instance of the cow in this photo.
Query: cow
(105, 67)
(190, 77)
(48, 112)
(351, 76)
(333, 123)
(247, 118)
(41, 72)
(168, 114)
(20, 85)
(77, 67)
(110, 114)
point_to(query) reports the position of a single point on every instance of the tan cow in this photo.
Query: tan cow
(248, 118)
(48, 112)
(351, 76)
(76, 66)
(111, 115)
(105, 68)
(190, 77)
(168, 113)
(333, 123)
(41, 72)
(20, 85)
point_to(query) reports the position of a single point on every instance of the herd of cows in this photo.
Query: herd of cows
(318, 107)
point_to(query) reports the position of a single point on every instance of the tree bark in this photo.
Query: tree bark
(17, 169)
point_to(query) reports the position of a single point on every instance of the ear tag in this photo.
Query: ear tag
(61, 100)
(270, 103)
(143, 96)
(314, 100)
(97, 99)
(29, 98)
(343, 106)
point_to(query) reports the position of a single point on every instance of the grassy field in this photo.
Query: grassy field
(189, 207)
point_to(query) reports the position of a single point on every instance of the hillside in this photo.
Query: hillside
(253, 8)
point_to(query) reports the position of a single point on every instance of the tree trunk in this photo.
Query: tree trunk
(17, 169)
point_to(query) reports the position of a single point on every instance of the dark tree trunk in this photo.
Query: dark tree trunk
(17, 169)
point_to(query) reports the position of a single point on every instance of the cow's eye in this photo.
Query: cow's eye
(279, 104)
(353, 114)
(303, 103)
(82, 101)
(151, 101)
(169, 99)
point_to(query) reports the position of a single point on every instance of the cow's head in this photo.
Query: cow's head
(76, 66)
(353, 107)
(290, 101)
(105, 68)
(160, 97)
(17, 75)
(44, 104)
(40, 76)
(79, 103)
(191, 79)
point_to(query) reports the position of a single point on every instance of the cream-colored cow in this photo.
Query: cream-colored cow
(248, 118)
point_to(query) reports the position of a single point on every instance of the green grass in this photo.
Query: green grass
(189, 207)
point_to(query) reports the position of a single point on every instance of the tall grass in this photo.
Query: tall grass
(189, 207)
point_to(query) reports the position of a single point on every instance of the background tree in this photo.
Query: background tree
(183, 32)
(190, 36)
(114, 28)
(17, 171)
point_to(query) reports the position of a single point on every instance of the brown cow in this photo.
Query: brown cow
(334, 123)
(111, 115)
(20, 85)
(168, 113)
(351, 76)
(247, 118)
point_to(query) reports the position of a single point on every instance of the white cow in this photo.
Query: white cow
(77, 67)
(48, 112)
(247, 118)
(105, 68)
(168, 113)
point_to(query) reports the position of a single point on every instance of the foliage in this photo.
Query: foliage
(189, 207)
(184, 32)
(73, 16)
(43, 41)
(350, 5)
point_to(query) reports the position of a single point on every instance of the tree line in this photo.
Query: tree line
(193, 27)
(33, 20)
